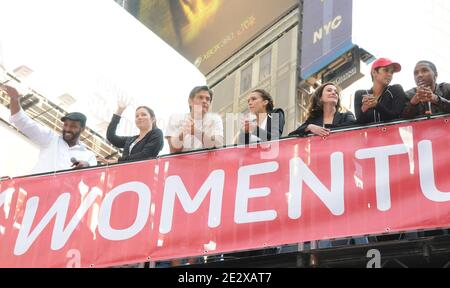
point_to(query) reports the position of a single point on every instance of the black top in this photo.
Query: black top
(274, 128)
(148, 147)
(340, 120)
(443, 106)
(390, 105)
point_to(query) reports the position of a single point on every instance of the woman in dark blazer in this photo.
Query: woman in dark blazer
(325, 113)
(267, 123)
(147, 144)
(383, 102)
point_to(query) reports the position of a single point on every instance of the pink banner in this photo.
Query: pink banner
(368, 181)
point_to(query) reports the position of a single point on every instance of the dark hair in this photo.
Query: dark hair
(265, 96)
(315, 109)
(200, 89)
(431, 64)
(152, 114)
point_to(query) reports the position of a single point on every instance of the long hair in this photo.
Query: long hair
(265, 96)
(315, 108)
(152, 115)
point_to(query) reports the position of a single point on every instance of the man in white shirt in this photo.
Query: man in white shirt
(57, 152)
(198, 129)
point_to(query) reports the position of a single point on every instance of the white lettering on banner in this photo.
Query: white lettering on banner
(244, 193)
(59, 209)
(426, 172)
(5, 200)
(142, 213)
(382, 179)
(300, 173)
(174, 186)
(328, 27)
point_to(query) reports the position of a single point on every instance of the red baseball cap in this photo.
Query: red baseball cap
(384, 62)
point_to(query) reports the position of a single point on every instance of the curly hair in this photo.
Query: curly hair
(315, 109)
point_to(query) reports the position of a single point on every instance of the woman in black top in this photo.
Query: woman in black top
(268, 122)
(147, 144)
(382, 102)
(325, 113)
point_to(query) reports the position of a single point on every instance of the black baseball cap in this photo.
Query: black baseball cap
(76, 116)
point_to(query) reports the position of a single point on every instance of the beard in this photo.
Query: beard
(70, 136)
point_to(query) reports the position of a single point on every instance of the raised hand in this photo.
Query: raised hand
(14, 98)
(122, 103)
(11, 92)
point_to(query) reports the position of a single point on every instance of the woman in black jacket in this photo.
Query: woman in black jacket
(267, 123)
(382, 102)
(147, 144)
(325, 113)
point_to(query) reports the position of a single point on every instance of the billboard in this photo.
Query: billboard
(207, 32)
(326, 35)
(361, 182)
(347, 73)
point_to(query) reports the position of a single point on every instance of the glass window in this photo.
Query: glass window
(246, 79)
(265, 65)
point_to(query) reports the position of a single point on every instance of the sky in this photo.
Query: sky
(96, 52)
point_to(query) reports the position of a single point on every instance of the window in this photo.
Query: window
(246, 79)
(265, 65)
